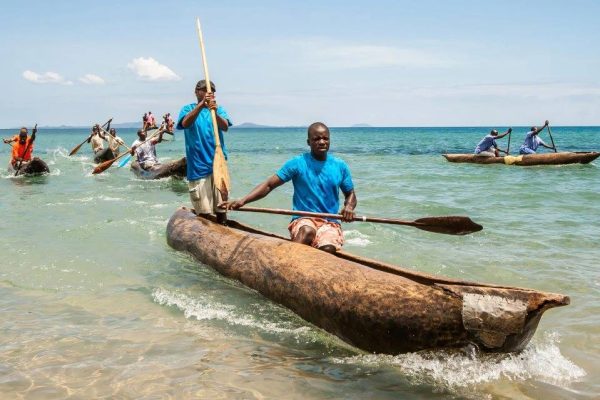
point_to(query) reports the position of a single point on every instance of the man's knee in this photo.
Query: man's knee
(305, 235)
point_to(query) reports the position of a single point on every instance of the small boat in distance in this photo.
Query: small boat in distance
(584, 157)
(372, 305)
(176, 169)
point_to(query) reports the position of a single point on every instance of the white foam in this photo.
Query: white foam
(203, 309)
(356, 238)
(541, 360)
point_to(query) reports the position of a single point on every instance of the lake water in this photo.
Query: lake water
(96, 305)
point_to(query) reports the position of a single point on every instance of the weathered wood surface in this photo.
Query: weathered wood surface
(374, 306)
(176, 169)
(527, 160)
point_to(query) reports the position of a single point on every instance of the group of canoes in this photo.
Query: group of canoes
(488, 152)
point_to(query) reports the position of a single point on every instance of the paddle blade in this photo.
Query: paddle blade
(450, 225)
(124, 161)
(76, 149)
(100, 168)
(221, 173)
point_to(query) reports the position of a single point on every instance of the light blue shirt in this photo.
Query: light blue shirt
(200, 141)
(532, 141)
(316, 183)
(486, 143)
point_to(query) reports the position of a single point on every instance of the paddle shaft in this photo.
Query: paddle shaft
(508, 144)
(449, 225)
(76, 148)
(550, 133)
(107, 133)
(25, 152)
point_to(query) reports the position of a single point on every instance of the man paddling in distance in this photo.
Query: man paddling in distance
(114, 142)
(169, 123)
(196, 121)
(22, 147)
(317, 178)
(487, 147)
(96, 139)
(533, 141)
(145, 153)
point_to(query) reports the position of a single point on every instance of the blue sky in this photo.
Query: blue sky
(385, 63)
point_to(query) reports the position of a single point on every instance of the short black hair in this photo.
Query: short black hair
(202, 85)
(316, 125)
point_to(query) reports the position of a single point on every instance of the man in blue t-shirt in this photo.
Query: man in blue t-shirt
(317, 178)
(488, 147)
(533, 141)
(196, 121)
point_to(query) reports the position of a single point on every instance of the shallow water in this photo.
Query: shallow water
(95, 304)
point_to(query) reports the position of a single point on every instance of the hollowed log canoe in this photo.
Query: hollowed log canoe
(176, 169)
(528, 159)
(372, 305)
(104, 155)
(35, 167)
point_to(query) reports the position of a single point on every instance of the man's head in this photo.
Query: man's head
(96, 128)
(533, 128)
(23, 135)
(494, 132)
(112, 132)
(318, 139)
(141, 134)
(200, 89)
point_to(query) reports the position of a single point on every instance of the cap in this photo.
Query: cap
(202, 85)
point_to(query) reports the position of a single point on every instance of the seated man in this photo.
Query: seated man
(488, 147)
(533, 141)
(22, 147)
(145, 151)
(317, 178)
(114, 142)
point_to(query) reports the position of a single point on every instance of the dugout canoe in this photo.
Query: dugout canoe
(176, 169)
(104, 155)
(35, 167)
(561, 158)
(372, 305)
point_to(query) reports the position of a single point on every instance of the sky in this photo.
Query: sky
(283, 63)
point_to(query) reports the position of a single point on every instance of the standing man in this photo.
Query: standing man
(196, 121)
(151, 121)
(317, 178)
(22, 147)
(487, 146)
(96, 139)
(533, 141)
(169, 123)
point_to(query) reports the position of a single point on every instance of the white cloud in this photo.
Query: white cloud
(48, 77)
(91, 79)
(148, 69)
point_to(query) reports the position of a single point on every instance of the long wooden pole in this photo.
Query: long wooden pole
(220, 172)
(550, 133)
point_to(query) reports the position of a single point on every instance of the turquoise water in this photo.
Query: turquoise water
(95, 304)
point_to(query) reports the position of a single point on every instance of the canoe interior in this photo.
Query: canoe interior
(176, 169)
(372, 305)
(528, 159)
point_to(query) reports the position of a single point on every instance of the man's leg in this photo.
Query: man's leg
(305, 235)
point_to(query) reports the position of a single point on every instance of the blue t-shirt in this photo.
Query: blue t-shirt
(485, 144)
(532, 141)
(317, 184)
(200, 141)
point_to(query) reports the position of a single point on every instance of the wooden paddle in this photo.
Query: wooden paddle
(450, 225)
(25, 152)
(76, 148)
(550, 133)
(220, 171)
(107, 133)
(508, 145)
(100, 168)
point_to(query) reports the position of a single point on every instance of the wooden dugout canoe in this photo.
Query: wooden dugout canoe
(374, 306)
(175, 169)
(35, 167)
(528, 159)
(104, 155)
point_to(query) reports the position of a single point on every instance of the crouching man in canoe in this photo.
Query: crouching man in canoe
(145, 153)
(533, 141)
(22, 147)
(317, 178)
(487, 147)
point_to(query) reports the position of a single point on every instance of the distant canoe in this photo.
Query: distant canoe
(372, 305)
(35, 167)
(104, 155)
(529, 159)
(175, 169)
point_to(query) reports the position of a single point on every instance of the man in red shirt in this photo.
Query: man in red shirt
(22, 147)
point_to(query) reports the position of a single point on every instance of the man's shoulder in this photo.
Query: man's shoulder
(337, 160)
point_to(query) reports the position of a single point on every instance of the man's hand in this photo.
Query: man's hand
(547, 123)
(509, 130)
(231, 205)
(210, 102)
(347, 214)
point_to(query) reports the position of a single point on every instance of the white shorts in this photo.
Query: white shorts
(205, 196)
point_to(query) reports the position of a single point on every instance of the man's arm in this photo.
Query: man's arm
(260, 191)
(538, 130)
(505, 133)
(349, 206)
